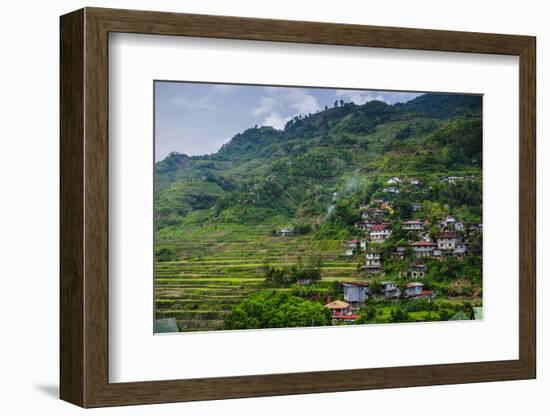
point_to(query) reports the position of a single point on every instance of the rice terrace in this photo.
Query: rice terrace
(281, 207)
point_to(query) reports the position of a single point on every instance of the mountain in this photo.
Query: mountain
(298, 174)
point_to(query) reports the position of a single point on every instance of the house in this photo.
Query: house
(348, 252)
(373, 262)
(393, 181)
(374, 214)
(363, 244)
(459, 225)
(448, 242)
(452, 179)
(416, 207)
(416, 290)
(338, 308)
(389, 290)
(419, 267)
(414, 181)
(461, 249)
(447, 222)
(413, 289)
(362, 225)
(285, 232)
(355, 293)
(412, 225)
(417, 271)
(391, 190)
(423, 248)
(426, 237)
(400, 252)
(354, 245)
(386, 206)
(380, 233)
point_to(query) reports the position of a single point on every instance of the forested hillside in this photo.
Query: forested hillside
(339, 154)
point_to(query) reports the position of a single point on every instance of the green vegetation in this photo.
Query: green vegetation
(219, 251)
(272, 309)
(284, 276)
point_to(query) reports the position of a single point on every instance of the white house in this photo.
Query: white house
(412, 225)
(391, 190)
(389, 289)
(423, 248)
(380, 233)
(285, 231)
(373, 262)
(393, 181)
(449, 242)
(452, 179)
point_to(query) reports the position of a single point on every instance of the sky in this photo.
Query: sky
(197, 118)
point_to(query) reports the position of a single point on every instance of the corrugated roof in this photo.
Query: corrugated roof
(460, 316)
(422, 244)
(478, 312)
(337, 304)
(356, 283)
(166, 325)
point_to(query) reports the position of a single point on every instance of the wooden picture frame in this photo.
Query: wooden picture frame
(84, 207)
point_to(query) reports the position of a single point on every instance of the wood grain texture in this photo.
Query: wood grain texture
(71, 100)
(84, 207)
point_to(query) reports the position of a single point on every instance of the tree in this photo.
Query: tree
(336, 103)
(341, 103)
(275, 309)
(164, 254)
(399, 315)
(285, 276)
(444, 314)
(366, 315)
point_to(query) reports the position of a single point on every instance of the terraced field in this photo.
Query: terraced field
(216, 269)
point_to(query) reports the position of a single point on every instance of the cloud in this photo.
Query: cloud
(276, 121)
(280, 105)
(303, 102)
(359, 97)
(267, 105)
(362, 97)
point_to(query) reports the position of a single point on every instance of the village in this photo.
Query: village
(420, 240)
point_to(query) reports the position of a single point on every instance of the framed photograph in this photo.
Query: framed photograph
(256, 207)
